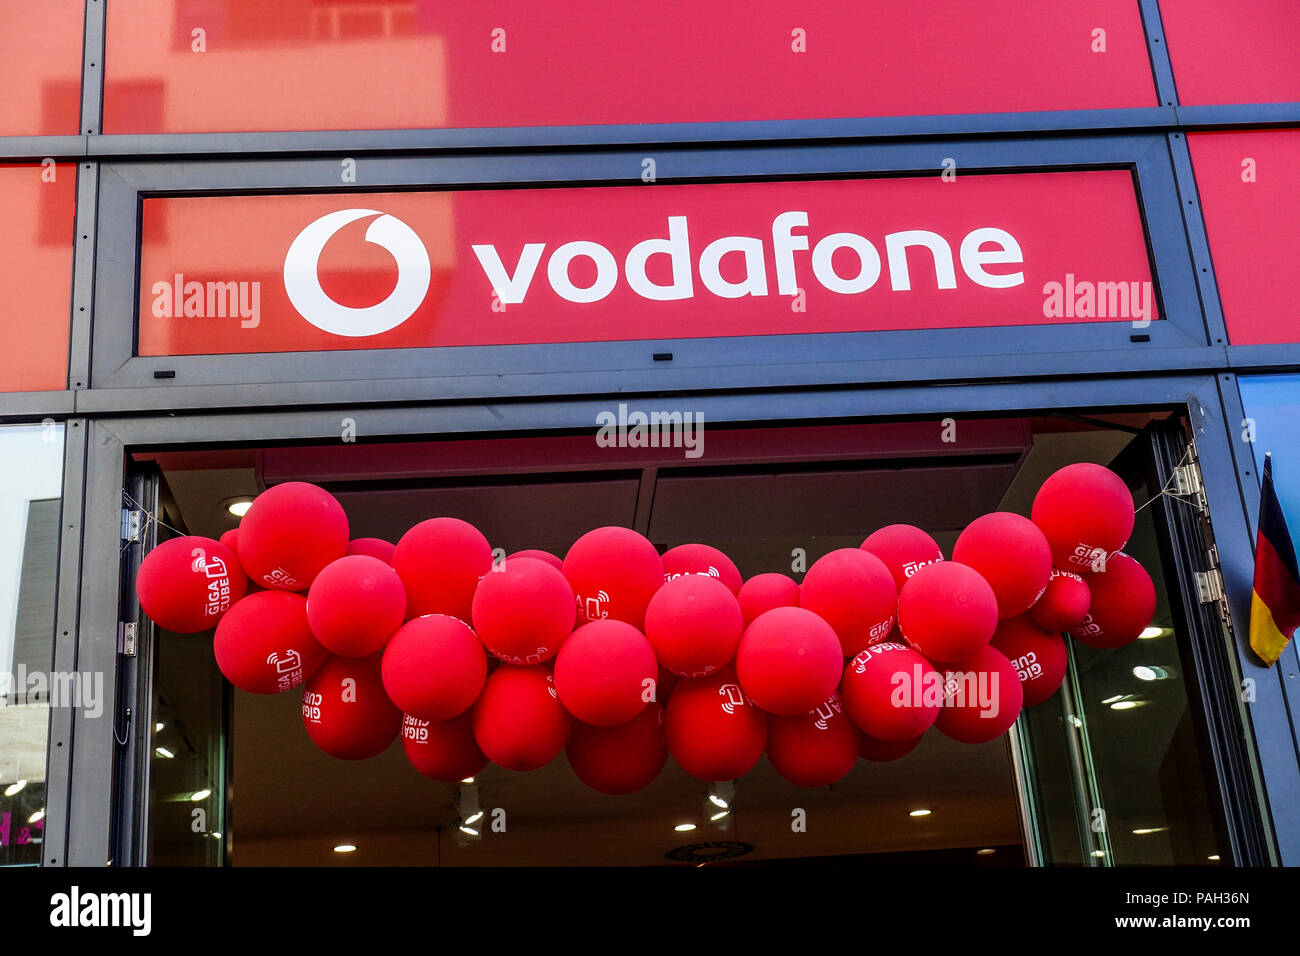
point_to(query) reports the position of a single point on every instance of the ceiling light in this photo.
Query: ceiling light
(474, 817)
(987, 851)
(158, 727)
(345, 848)
(163, 752)
(1144, 831)
(1214, 857)
(1150, 632)
(919, 813)
(39, 815)
(1111, 700)
(468, 780)
(1142, 672)
(14, 788)
(1126, 704)
(238, 506)
(684, 827)
(1098, 853)
(718, 816)
(200, 795)
(1074, 721)
(723, 794)
(468, 830)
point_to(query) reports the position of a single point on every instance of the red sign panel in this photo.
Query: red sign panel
(514, 266)
(1251, 201)
(235, 65)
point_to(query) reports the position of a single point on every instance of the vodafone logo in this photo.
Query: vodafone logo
(302, 280)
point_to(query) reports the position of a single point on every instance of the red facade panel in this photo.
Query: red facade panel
(1251, 201)
(37, 219)
(1245, 51)
(246, 65)
(40, 67)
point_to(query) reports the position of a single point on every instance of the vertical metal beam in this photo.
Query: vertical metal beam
(92, 69)
(1158, 51)
(58, 764)
(92, 738)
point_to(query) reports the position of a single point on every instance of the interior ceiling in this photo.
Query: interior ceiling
(292, 803)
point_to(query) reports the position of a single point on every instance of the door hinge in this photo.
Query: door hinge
(126, 638)
(131, 522)
(1209, 586)
(1187, 483)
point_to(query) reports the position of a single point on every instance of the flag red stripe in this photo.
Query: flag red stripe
(1276, 587)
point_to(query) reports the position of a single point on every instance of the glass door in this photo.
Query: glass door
(1140, 758)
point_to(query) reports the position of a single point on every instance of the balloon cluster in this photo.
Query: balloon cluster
(620, 656)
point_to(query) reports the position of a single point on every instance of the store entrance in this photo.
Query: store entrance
(218, 776)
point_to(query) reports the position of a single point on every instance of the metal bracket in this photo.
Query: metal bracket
(126, 638)
(131, 524)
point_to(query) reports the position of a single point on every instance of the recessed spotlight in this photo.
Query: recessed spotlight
(39, 815)
(1150, 632)
(1214, 857)
(987, 851)
(15, 787)
(238, 506)
(1144, 831)
(919, 813)
(345, 848)
(1126, 704)
(468, 780)
(684, 827)
(164, 753)
(200, 795)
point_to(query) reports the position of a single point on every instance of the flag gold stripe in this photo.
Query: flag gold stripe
(1265, 638)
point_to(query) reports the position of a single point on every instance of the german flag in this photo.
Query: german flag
(1275, 605)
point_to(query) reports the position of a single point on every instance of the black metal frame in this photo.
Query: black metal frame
(1187, 363)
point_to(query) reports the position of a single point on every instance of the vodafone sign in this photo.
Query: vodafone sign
(490, 267)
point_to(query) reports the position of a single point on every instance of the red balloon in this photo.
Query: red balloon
(1011, 554)
(1123, 603)
(345, 710)
(947, 610)
(186, 585)
(891, 692)
(694, 624)
(701, 559)
(619, 760)
(855, 594)
(1086, 511)
(434, 667)
(763, 592)
(714, 731)
(789, 661)
(523, 610)
(614, 573)
(291, 531)
(518, 721)
(440, 562)
(355, 604)
(373, 547)
(546, 556)
(231, 540)
(1037, 654)
(982, 698)
(264, 644)
(815, 749)
(443, 750)
(1064, 604)
(883, 751)
(603, 672)
(904, 548)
